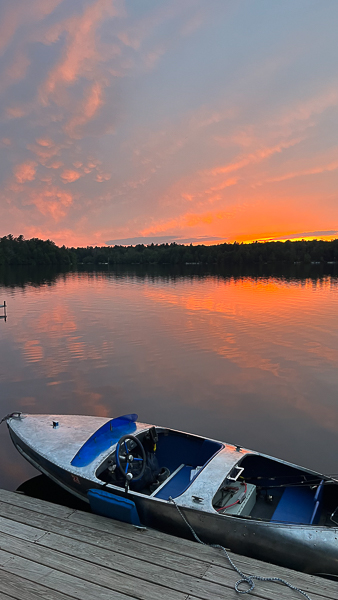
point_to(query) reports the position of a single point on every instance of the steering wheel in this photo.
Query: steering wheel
(128, 460)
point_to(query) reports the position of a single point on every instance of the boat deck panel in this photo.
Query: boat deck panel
(52, 552)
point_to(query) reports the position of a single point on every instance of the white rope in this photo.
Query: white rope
(245, 579)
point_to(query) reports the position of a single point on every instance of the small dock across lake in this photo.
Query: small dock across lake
(52, 552)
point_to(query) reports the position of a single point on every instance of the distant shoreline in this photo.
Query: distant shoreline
(35, 252)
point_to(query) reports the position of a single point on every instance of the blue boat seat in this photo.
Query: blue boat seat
(299, 505)
(175, 485)
(112, 506)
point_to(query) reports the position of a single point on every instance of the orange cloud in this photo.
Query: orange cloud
(55, 165)
(25, 172)
(69, 176)
(81, 54)
(333, 166)
(87, 111)
(186, 220)
(46, 142)
(100, 177)
(45, 149)
(254, 157)
(16, 112)
(16, 71)
(312, 106)
(52, 201)
(224, 184)
(13, 16)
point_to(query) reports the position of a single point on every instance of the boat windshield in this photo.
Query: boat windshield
(105, 437)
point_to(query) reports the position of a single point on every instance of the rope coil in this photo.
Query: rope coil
(248, 580)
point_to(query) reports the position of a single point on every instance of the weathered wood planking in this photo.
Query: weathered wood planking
(53, 552)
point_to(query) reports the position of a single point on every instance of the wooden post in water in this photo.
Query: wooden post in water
(4, 316)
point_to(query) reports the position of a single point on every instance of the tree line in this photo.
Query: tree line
(34, 252)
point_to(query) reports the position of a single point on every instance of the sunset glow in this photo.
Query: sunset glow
(194, 122)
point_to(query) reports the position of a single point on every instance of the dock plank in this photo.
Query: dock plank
(146, 572)
(40, 506)
(68, 552)
(68, 585)
(170, 559)
(125, 545)
(310, 584)
(90, 571)
(13, 585)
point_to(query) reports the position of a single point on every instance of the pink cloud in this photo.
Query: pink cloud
(46, 142)
(68, 176)
(16, 112)
(25, 172)
(45, 150)
(55, 165)
(21, 12)
(52, 201)
(333, 166)
(224, 184)
(315, 105)
(87, 111)
(254, 157)
(16, 71)
(100, 177)
(81, 54)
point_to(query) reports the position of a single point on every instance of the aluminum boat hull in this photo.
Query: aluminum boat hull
(304, 547)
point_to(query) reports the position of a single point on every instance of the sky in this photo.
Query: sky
(140, 121)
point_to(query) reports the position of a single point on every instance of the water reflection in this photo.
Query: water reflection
(43, 488)
(245, 359)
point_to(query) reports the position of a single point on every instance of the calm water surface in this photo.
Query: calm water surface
(249, 360)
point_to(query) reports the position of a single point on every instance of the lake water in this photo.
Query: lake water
(245, 359)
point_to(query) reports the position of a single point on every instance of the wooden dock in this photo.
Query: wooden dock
(51, 552)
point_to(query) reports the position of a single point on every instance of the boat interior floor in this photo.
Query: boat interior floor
(264, 508)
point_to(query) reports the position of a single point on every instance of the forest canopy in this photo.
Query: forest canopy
(34, 252)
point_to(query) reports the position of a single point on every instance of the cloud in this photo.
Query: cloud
(68, 176)
(315, 105)
(306, 234)
(16, 71)
(80, 55)
(164, 239)
(14, 15)
(101, 177)
(255, 157)
(333, 166)
(25, 172)
(45, 142)
(86, 111)
(45, 150)
(51, 201)
(16, 112)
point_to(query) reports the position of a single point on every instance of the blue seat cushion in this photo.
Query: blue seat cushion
(176, 485)
(295, 506)
(112, 506)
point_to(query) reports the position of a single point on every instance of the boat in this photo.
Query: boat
(177, 482)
